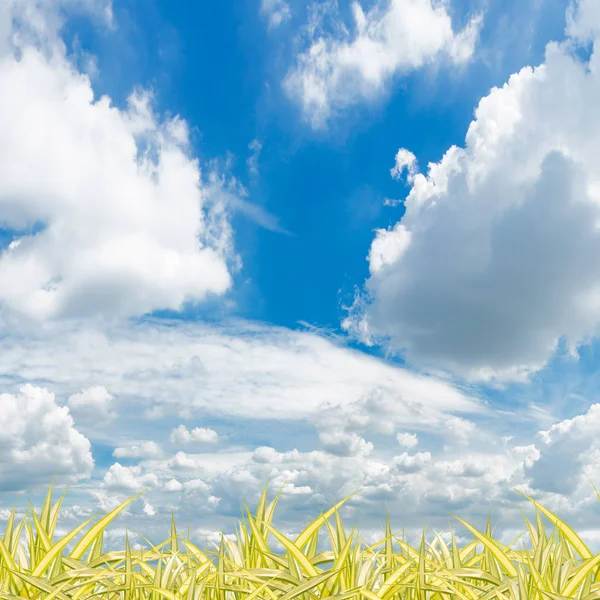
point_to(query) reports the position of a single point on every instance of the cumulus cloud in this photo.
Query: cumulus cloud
(149, 509)
(493, 262)
(181, 460)
(583, 20)
(422, 486)
(383, 413)
(344, 443)
(38, 441)
(92, 402)
(569, 453)
(405, 161)
(276, 12)
(173, 486)
(123, 478)
(407, 440)
(118, 220)
(340, 68)
(201, 435)
(412, 463)
(146, 449)
(196, 484)
(425, 484)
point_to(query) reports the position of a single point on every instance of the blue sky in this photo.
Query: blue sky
(338, 244)
(325, 188)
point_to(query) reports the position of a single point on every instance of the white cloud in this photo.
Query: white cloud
(92, 402)
(106, 501)
(149, 509)
(26, 22)
(405, 161)
(569, 453)
(407, 440)
(38, 441)
(420, 486)
(201, 435)
(255, 148)
(525, 193)
(412, 463)
(384, 413)
(235, 370)
(276, 12)
(266, 455)
(583, 20)
(392, 38)
(126, 224)
(196, 484)
(425, 485)
(343, 443)
(181, 460)
(123, 478)
(146, 449)
(173, 486)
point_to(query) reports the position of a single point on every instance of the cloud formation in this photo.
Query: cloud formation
(117, 220)
(340, 68)
(276, 12)
(38, 441)
(493, 262)
(201, 435)
(92, 403)
(239, 369)
(145, 449)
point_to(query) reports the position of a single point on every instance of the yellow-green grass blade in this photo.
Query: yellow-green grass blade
(475, 574)
(86, 541)
(42, 585)
(195, 551)
(308, 585)
(174, 545)
(16, 538)
(444, 552)
(338, 565)
(580, 575)
(495, 549)
(11, 566)
(58, 548)
(468, 549)
(8, 531)
(54, 513)
(393, 578)
(309, 531)
(261, 509)
(46, 509)
(260, 539)
(293, 550)
(576, 542)
(41, 533)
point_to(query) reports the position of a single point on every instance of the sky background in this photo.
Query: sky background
(343, 245)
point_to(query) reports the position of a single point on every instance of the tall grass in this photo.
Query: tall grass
(557, 564)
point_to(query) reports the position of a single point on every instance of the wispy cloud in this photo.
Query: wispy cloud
(255, 147)
(277, 12)
(340, 68)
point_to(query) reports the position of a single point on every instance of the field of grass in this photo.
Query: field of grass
(554, 563)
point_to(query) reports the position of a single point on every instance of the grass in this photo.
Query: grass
(34, 565)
